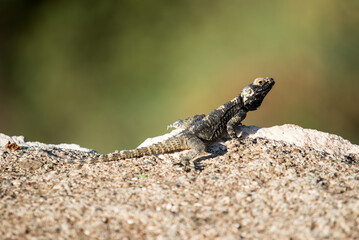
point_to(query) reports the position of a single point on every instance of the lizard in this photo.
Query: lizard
(199, 130)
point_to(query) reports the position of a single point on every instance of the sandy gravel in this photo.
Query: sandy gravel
(249, 189)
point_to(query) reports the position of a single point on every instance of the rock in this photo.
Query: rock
(4, 139)
(30, 164)
(293, 134)
(253, 188)
(288, 133)
(23, 142)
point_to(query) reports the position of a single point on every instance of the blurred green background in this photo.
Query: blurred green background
(108, 74)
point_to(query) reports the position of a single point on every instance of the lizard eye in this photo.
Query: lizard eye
(258, 81)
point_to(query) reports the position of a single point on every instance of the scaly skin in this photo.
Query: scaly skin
(198, 130)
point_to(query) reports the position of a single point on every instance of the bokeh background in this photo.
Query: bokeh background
(108, 74)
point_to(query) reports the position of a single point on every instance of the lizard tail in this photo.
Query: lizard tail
(169, 145)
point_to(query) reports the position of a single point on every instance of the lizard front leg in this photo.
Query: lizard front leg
(235, 120)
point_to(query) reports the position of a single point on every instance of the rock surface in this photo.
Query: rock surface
(22, 141)
(277, 183)
(294, 134)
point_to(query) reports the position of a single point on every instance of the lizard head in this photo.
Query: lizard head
(253, 95)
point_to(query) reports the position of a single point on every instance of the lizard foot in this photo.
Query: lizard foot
(191, 161)
(185, 164)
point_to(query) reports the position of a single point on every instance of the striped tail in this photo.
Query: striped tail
(172, 144)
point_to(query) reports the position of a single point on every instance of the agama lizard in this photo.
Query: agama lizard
(201, 129)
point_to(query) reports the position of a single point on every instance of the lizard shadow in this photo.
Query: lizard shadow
(213, 150)
(218, 149)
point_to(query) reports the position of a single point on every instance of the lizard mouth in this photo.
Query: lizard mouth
(267, 86)
(269, 81)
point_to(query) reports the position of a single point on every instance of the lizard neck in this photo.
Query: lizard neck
(241, 103)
